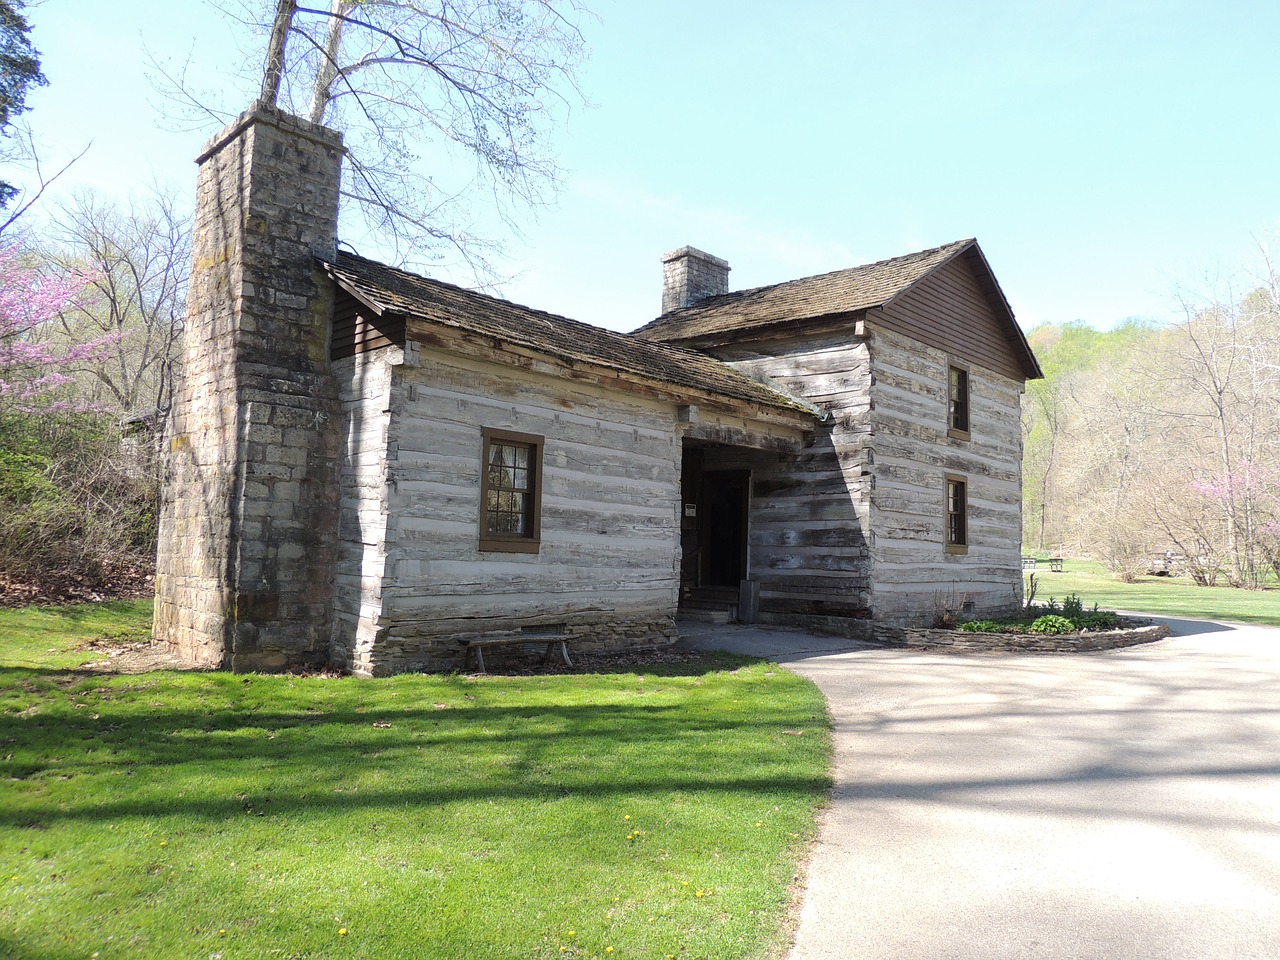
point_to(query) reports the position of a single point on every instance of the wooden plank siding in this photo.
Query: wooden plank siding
(950, 311)
(809, 513)
(913, 574)
(357, 328)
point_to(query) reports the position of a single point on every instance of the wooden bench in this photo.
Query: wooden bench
(556, 641)
(1055, 564)
(1028, 563)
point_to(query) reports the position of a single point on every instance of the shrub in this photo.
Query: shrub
(1098, 620)
(1073, 607)
(986, 626)
(73, 503)
(1052, 623)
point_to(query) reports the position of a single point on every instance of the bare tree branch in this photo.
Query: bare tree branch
(421, 94)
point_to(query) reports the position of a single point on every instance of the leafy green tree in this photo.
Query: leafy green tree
(19, 72)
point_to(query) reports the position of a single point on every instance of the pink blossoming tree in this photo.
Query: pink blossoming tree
(33, 366)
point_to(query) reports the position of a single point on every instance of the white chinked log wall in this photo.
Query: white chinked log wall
(810, 515)
(913, 576)
(607, 566)
(365, 394)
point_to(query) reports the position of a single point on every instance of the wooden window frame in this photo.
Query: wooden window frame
(531, 540)
(953, 544)
(953, 431)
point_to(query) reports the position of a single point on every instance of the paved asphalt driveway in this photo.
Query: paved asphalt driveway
(1113, 805)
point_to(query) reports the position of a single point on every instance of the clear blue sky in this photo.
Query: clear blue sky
(1103, 153)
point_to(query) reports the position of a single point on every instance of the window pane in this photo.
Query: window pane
(956, 513)
(958, 394)
(518, 513)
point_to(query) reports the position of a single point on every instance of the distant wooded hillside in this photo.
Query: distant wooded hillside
(1146, 445)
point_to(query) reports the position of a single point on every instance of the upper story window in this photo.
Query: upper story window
(957, 514)
(511, 492)
(957, 402)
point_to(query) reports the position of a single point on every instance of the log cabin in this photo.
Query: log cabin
(369, 469)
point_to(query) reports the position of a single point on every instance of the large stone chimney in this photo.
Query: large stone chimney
(249, 512)
(690, 275)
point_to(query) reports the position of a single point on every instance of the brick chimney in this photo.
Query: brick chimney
(249, 512)
(690, 275)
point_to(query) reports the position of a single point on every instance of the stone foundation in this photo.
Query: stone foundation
(396, 652)
(856, 628)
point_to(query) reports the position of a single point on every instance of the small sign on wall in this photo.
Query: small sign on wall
(690, 509)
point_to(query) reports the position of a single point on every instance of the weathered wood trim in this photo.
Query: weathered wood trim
(512, 543)
(766, 337)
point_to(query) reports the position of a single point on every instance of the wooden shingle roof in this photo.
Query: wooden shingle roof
(841, 291)
(388, 290)
(722, 318)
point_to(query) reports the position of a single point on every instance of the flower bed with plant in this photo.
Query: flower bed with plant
(1041, 628)
(1052, 618)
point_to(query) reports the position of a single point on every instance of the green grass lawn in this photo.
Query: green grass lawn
(53, 637)
(610, 815)
(1170, 596)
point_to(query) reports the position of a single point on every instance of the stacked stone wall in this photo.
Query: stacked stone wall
(961, 641)
(249, 514)
(690, 275)
(409, 652)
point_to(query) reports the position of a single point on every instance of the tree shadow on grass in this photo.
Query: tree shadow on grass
(275, 746)
(12, 949)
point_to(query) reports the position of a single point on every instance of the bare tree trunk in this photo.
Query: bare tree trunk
(275, 51)
(329, 62)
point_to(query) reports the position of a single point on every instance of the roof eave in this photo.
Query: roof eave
(353, 289)
(1017, 339)
(787, 408)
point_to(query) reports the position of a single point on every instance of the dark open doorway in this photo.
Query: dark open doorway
(723, 515)
(713, 533)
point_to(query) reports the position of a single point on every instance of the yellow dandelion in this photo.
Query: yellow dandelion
(684, 883)
(627, 817)
(608, 949)
(342, 931)
(222, 932)
(759, 824)
(573, 933)
(164, 843)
